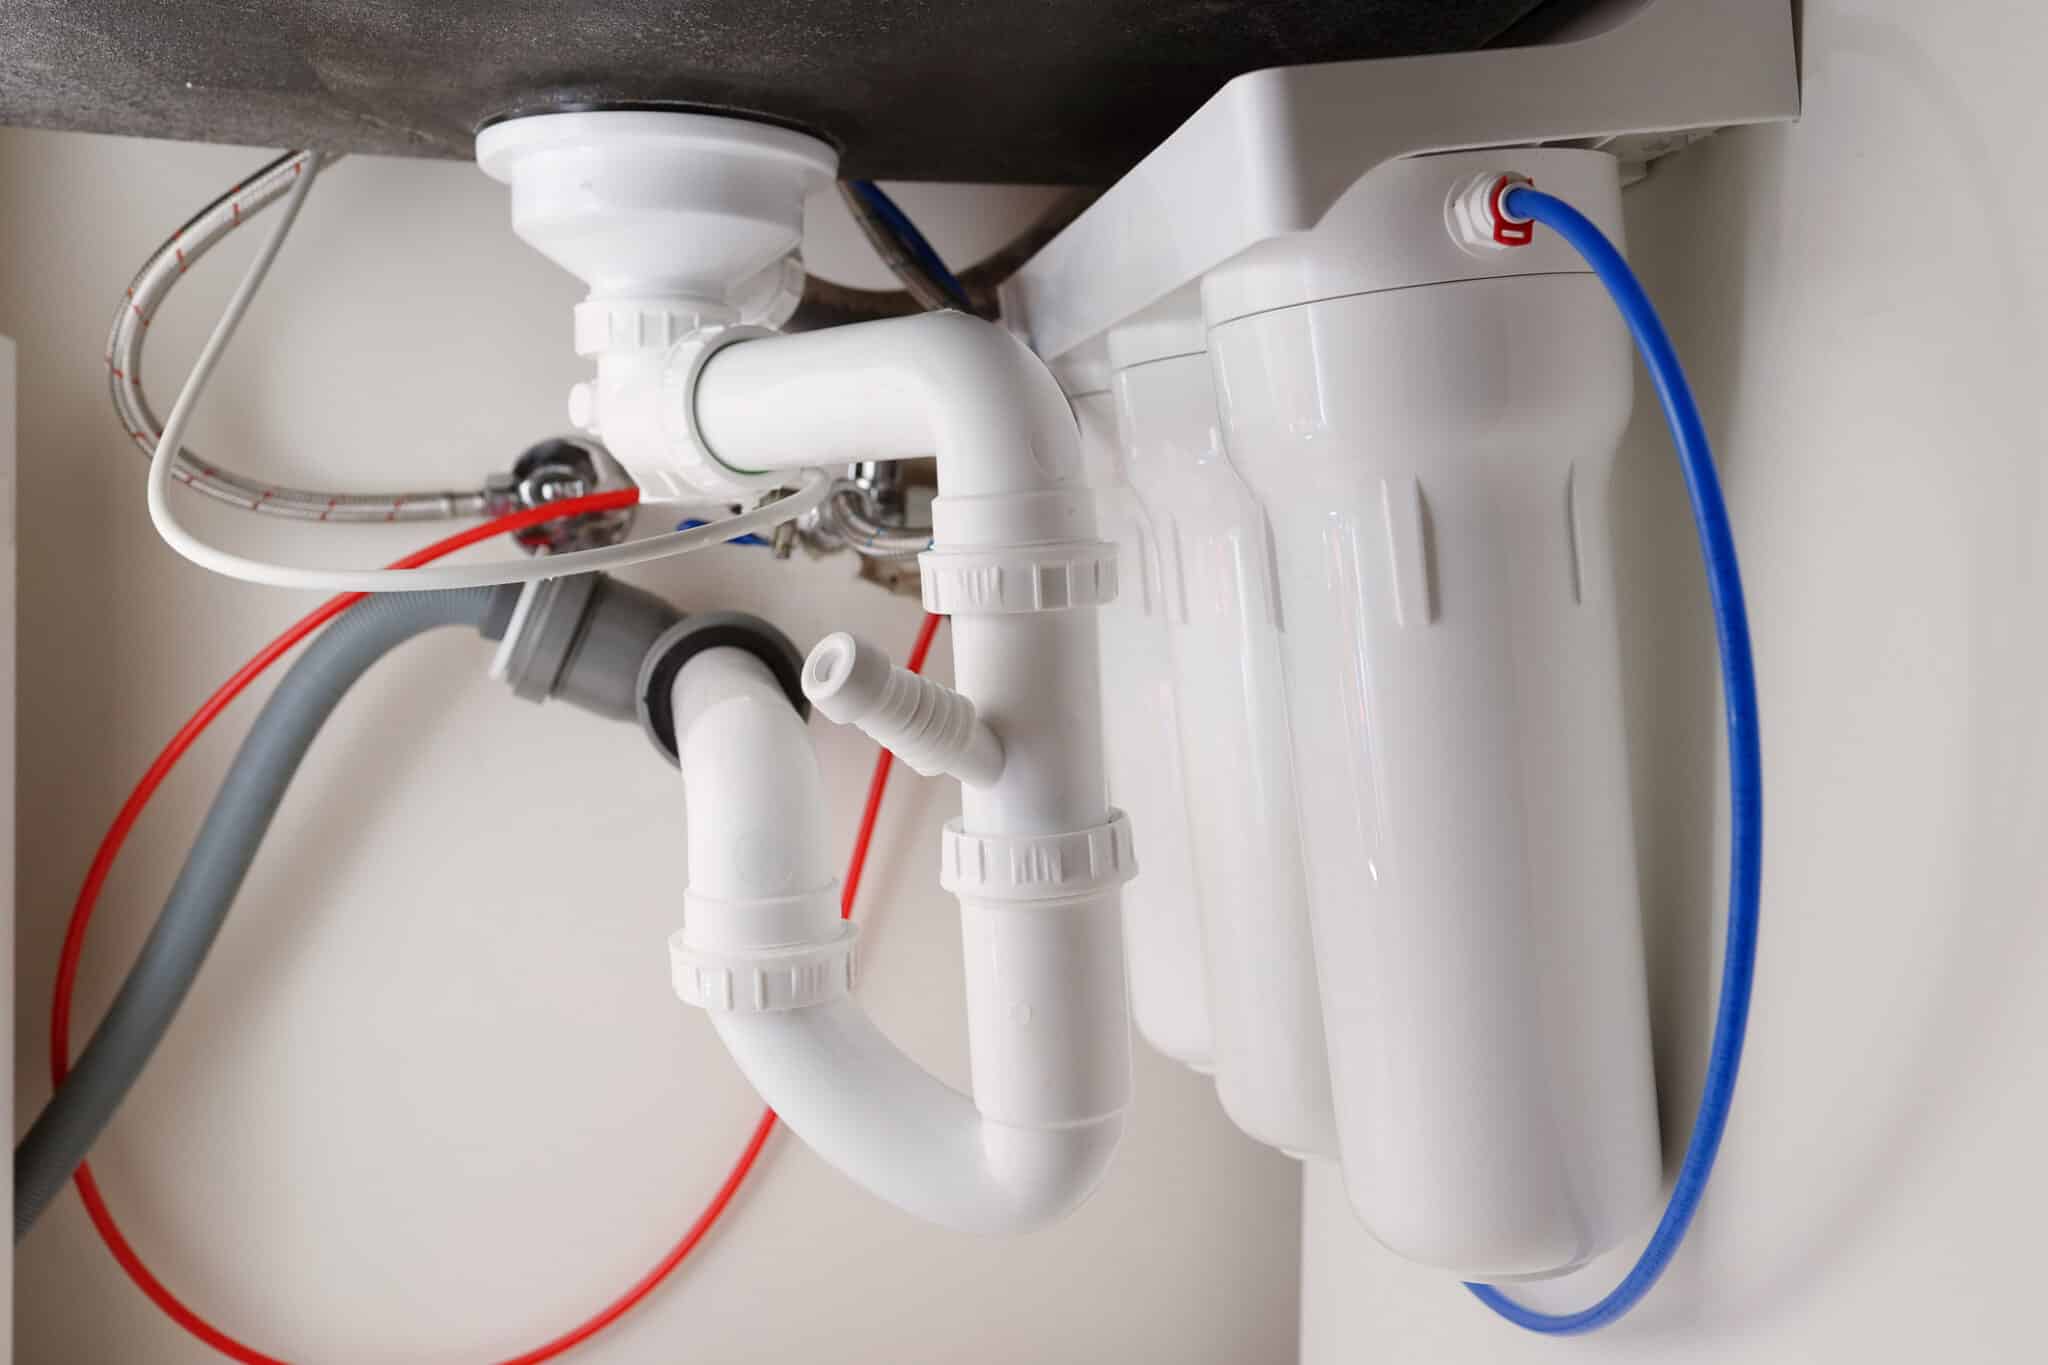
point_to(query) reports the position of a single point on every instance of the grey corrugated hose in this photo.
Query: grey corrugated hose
(177, 946)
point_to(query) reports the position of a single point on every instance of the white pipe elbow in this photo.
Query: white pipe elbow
(907, 1136)
(753, 797)
(764, 949)
(1016, 560)
(942, 384)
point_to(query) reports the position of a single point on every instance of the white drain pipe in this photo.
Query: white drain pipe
(681, 225)
(1036, 856)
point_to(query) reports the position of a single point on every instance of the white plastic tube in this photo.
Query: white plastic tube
(1222, 632)
(1036, 856)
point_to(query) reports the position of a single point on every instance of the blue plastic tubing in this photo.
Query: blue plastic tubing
(1745, 770)
(913, 240)
(748, 539)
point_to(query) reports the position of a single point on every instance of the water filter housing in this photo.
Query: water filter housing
(1222, 620)
(1429, 428)
(1141, 753)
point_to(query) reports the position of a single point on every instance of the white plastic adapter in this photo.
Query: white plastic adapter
(925, 723)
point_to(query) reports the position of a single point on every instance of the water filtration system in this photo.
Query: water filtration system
(1270, 523)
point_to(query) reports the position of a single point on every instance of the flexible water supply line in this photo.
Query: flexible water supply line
(814, 485)
(146, 294)
(866, 536)
(1745, 767)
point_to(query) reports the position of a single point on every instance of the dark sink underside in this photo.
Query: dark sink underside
(1045, 91)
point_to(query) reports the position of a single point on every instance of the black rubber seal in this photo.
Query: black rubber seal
(576, 101)
(712, 630)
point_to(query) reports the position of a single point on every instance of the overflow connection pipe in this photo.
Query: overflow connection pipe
(1036, 856)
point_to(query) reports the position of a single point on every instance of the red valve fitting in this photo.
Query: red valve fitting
(1479, 216)
(1508, 230)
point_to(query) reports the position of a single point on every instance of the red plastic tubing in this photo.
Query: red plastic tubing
(131, 809)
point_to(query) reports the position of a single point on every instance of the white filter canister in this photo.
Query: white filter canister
(1141, 752)
(1223, 632)
(1430, 431)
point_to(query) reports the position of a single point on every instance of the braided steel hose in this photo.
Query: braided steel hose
(146, 294)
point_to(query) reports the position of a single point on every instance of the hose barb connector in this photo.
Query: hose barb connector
(926, 724)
